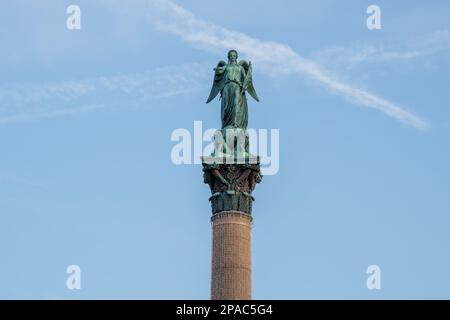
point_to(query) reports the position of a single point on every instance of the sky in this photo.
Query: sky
(87, 179)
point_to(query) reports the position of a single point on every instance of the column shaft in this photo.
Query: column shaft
(231, 256)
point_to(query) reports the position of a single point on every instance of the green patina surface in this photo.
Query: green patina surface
(232, 183)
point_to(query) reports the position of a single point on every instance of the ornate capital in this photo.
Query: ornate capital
(231, 185)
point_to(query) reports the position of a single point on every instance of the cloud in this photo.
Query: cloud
(29, 101)
(8, 178)
(275, 58)
(435, 43)
(25, 102)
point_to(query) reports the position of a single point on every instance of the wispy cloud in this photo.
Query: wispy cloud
(9, 178)
(433, 44)
(276, 57)
(25, 102)
(29, 101)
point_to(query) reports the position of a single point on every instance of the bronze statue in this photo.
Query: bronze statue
(232, 80)
(232, 183)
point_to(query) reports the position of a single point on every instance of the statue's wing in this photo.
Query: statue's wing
(218, 82)
(248, 81)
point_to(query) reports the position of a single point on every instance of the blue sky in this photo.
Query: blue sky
(86, 118)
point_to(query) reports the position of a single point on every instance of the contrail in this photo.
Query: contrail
(276, 57)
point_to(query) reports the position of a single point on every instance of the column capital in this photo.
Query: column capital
(231, 184)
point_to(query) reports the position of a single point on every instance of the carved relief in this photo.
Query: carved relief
(231, 185)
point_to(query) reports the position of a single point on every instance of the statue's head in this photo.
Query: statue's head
(232, 55)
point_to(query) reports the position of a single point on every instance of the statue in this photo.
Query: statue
(232, 80)
(232, 182)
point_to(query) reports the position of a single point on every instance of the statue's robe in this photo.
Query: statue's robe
(232, 80)
(234, 102)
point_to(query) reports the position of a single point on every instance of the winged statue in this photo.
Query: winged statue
(232, 80)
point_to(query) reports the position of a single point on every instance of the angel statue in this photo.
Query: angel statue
(232, 80)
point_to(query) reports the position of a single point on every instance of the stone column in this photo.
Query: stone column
(231, 202)
(231, 272)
